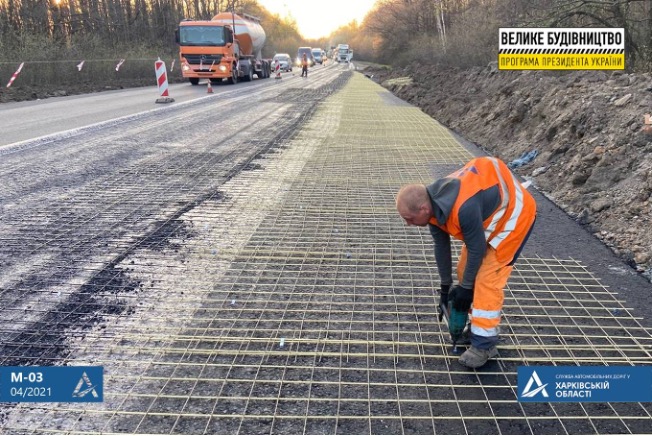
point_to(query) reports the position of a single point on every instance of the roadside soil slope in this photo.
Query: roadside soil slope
(579, 136)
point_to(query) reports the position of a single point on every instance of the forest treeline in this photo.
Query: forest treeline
(45, 29)
(465, 32)
(52, 37)
(57, 34)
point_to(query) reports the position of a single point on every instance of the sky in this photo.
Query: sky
(318, 18)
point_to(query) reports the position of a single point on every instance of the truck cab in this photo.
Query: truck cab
(207, 50)
(226, 47)
(344, 53)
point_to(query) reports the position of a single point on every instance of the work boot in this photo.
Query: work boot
(475, 357)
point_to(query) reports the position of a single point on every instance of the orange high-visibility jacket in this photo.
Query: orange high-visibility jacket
(507, 226)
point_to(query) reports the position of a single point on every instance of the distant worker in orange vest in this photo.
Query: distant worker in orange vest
(486, 207)
(304, 66)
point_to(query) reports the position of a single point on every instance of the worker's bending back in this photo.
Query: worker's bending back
(486, 207)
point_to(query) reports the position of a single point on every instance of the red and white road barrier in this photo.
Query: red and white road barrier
(277, 68)
(162, 80)
(13, 77)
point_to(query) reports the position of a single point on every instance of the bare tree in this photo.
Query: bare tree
(411, 29)
(441, 23)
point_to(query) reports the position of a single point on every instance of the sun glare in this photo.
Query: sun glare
(316, 18)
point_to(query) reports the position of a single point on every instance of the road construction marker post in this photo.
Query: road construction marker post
(277, 68)
(162, 80)
(13, 77)
(209, 88)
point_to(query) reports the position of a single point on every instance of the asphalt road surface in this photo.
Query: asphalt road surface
(235, 263)
(27, 120)
(77, 198)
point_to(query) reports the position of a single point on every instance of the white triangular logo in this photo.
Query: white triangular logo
(90, 388)
(528, 392)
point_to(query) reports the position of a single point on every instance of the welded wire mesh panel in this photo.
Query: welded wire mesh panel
(298, 302)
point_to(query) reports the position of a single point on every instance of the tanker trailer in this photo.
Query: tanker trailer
(212, 50)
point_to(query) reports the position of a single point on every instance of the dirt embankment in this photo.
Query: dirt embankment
(586, 130)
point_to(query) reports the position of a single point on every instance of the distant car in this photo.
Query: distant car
(284, 60)
(308, 52)
(317, 54)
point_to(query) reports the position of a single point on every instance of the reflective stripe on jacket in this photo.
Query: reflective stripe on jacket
(506, 227)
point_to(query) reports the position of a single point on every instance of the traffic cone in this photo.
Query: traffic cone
(209, 90)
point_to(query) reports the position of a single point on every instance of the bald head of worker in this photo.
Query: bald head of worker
(413, 204)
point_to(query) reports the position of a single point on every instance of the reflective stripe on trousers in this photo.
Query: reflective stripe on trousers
(488, 294)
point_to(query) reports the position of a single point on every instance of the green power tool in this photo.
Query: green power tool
(457, 321)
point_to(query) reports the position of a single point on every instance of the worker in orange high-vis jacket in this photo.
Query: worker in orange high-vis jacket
(304, 66)
(486, 207)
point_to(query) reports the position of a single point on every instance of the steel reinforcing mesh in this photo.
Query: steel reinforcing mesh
(303, 304)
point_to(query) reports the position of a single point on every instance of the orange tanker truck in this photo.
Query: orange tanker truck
(213, 50)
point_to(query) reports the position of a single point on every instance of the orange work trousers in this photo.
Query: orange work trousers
(488, 295)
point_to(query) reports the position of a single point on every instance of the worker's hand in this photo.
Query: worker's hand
(461, 298)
